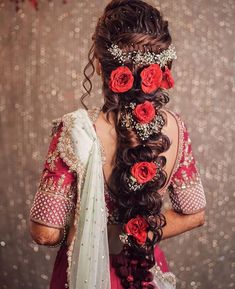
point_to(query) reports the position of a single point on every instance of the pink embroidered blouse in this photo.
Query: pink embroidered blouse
(56, 196)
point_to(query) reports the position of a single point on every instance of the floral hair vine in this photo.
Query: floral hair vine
(144, 58)
(155, 75)
(143, 118)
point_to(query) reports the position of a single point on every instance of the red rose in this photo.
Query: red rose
(144, 112)
(151, 78)
(137, 227)
(121, 79)
(167, 79)
(143, 171)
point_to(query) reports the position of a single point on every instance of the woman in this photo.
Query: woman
(107, 170)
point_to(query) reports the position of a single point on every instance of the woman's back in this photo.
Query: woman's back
(108, 138)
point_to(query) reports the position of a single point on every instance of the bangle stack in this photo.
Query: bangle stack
(62, 241)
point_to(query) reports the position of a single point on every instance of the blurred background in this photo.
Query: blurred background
(42, 56)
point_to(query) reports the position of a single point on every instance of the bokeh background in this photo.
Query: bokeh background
(42, 55)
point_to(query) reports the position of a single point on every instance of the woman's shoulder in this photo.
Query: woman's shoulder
(67, 120)
(173, 117)
(174, 124)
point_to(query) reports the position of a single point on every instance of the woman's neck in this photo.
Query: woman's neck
(111, 120)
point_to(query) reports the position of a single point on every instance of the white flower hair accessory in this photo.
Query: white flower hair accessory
(144, 58)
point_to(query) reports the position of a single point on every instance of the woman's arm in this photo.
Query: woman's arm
(44, 235)
(55, 199)
(177, 223)
(186, 193)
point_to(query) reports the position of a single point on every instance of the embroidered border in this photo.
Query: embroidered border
(93, 115)
(66, 150)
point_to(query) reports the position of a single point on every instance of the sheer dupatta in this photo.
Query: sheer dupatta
(88, 254)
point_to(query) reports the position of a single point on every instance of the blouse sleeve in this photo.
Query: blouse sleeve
(186, 190)
(55, 198)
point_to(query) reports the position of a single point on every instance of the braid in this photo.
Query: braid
(134, 25)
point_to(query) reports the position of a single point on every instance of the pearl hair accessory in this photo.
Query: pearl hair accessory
(143, 58)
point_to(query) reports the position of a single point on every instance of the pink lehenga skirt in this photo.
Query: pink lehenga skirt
(59, 274)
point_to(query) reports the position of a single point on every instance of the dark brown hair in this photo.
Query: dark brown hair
(133, 25)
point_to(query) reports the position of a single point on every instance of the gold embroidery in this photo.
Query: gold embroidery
(65, 144)
(183, 182)
(52, 158)
(93, 115)
(49, 185)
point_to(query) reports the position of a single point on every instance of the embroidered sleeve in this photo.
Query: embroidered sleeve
(56, 195)
(186, 190)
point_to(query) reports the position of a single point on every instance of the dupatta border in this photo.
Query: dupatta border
(93, 115)
(66, 151)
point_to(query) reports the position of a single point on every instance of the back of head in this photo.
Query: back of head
(134, 26)
(133, 46)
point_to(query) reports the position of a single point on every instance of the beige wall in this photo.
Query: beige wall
(42, 55)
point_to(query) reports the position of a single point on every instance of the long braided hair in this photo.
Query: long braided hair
(133, 25)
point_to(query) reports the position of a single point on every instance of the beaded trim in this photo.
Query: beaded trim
(41, 210)
(143, 58)
(93, 115)
(65, 145)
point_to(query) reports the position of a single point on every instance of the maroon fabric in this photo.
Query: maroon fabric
(59, 275)
(57, 192)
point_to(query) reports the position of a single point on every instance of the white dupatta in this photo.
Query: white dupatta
(88, 254)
